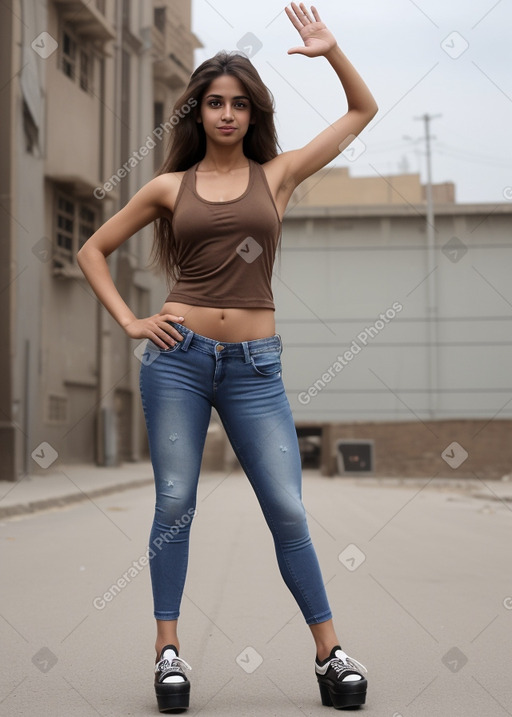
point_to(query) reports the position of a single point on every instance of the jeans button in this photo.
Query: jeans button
(219, 347)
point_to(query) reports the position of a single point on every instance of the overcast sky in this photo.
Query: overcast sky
(417, 57)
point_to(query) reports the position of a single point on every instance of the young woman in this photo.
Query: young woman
(217, 204)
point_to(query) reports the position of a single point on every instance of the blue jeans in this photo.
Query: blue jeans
(179, 386)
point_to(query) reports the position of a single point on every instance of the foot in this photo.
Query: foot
(340, 680)
(171, 684)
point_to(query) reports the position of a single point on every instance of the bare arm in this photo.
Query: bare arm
(318, 41)
(145, 206)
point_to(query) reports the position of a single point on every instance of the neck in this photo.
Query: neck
(223, 159)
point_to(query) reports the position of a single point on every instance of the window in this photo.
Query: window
(30, 130)
(87, 225)
(75, 221)
(68, 54)
(126, 13)
(76, 60)
(84, 70)
(65, 224)
(56, 409)
(159, 18)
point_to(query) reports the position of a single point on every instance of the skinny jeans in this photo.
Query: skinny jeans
(243, 381)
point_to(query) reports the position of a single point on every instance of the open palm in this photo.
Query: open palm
(318, 40)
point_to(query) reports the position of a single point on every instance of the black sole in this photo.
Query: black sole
(170, 700)
(352, 695)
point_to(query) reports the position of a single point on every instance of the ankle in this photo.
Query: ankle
(323, 651)
(159, 646)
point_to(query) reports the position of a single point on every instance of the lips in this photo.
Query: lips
(226, 130)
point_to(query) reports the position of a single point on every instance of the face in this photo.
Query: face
(226, 104)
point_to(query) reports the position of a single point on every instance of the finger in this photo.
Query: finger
(172, 332)
(299, 51)
(315, 14)
(305, 13)
(172, 317)
(301, 15)
(157, 339)
(296, 24)
(168, 337)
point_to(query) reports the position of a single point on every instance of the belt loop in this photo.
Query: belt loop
(280, 343)
(247, 353)
(189, 335)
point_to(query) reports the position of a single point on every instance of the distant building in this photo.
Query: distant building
(333, 186)
(390, 341)
(85, 87)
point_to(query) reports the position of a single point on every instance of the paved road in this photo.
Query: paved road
(419, 582)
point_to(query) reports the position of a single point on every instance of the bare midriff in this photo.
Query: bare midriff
(229, 325)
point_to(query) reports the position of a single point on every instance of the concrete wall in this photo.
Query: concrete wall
(341, 269)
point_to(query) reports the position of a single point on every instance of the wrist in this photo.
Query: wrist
(333, 53)
(126, 320)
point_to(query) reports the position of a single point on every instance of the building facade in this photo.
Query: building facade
(391, 341)
(423, 334)
(85, 88)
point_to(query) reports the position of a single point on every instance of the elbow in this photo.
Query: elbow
(80, 257)
(371, 110)
(83, 255)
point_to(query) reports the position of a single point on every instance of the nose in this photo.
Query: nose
(228, 112)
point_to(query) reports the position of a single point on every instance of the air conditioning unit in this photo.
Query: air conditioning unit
(355, 455)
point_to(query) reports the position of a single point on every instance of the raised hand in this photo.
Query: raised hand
(318, 40)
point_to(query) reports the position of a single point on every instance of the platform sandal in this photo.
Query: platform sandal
(340, 680)
(172, 686)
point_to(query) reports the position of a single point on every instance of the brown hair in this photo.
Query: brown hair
(187, 143)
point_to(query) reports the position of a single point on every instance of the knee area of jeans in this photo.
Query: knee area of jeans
(173, 494)
(172, 522)
(290, 514)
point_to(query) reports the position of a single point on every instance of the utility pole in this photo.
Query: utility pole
(432, 315)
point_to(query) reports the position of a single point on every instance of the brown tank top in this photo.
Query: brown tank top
(226, 250)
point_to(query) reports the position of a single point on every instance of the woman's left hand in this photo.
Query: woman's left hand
(318, 40)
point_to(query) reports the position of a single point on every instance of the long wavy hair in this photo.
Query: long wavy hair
(187, 140)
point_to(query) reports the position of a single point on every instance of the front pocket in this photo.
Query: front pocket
(154, 348)
(266, 363)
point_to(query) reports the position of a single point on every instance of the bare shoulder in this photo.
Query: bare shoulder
(164, 189)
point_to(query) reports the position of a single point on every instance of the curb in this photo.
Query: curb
(67, 499)
(78, 496)
(498, 498)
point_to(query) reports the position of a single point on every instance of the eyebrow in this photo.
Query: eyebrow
(238, 97)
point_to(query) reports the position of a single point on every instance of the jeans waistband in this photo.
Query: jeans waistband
(226, 348)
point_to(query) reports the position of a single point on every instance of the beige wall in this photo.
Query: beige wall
(335, 186)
